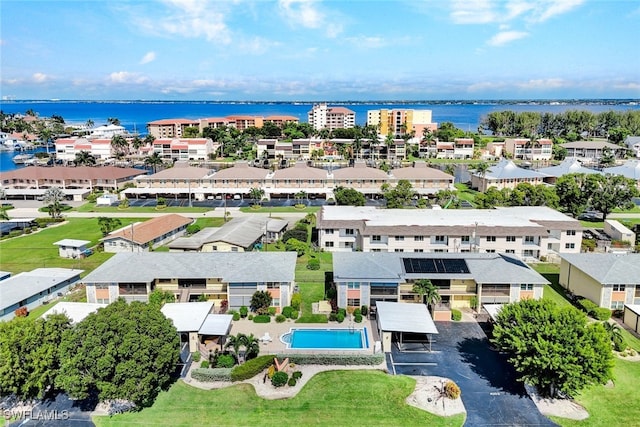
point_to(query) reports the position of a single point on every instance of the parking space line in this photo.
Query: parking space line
(416, 364)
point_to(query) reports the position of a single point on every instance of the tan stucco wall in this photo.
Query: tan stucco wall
(580, 283)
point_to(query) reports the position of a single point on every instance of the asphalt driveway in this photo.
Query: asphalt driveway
(490, 392)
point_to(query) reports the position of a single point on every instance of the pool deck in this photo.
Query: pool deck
(277, 329)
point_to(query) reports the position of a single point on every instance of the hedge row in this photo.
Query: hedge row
(251, 368)
(211, 374)
(333, 359)
(594, 311)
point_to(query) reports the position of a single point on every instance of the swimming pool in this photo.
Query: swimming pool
(326, 339)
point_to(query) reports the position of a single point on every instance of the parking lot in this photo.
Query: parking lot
(490, 392)
(235, 203)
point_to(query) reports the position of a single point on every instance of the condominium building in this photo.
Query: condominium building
(171, 128)
(505, 174)
(174, 149)
(527, 149)
(322, 116)
(217, 276)
(400, 122)
(367, 278)
(67, 148)
(174, 128)
(525, 232)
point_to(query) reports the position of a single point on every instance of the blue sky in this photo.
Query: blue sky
(320, 50)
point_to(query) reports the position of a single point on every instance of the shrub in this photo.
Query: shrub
(587, 305)
(225, 361)
(300, 235)
(619, 343)
(295, 245)
(294, 314)
(209, 374)
(262, 318)
(456, 315)
(333, 359)
(332, 317)
(296, 300)
(292, 382)
(271, 371)
(601, 313)
(357, 311)
(313, 264)
(193, 229)
(195, 356)
(261, 302)
(250, 317)
(236, 316)
(280, 318)
(451, 390)
(357, 318)
(162, 201)
(204, 364)
(296, 375)
(364, 310)
(342, 311)
(279, 379)
(340, 317)
(271, 311)
(244, 311)
(286, 311)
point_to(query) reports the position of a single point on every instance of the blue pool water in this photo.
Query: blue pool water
(326, 339)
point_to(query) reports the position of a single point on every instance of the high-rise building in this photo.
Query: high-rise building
(322, 116)
(401, 122)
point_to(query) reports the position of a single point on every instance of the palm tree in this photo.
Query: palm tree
(84, 158)
(136, 143)
(389, 142)
(427, 291)
(252, 347)
(154, 160)
(236, 342)
(300, 195)
(120, 145)
(613, 331)
(89, 124)
(148, 140)
(53, 198)
(113, 121)
(256, 194)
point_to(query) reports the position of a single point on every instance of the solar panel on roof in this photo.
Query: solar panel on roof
(435, 265)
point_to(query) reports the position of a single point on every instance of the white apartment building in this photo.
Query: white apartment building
(184, 148)
(322, 116)
(67, 148)
(526, 232)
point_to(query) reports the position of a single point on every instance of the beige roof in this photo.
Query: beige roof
(241, 170)
(78, 173)
(189, 172)
(300, 171)
(420, 170)
(144, 232)
(359, 171)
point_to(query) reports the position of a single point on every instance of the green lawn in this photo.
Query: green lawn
(368, 398)
(465, 193)
(91, 207)
(210, 222)
(36, 250)
(617, 406)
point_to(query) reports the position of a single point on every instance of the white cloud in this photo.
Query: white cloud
(40, 77)
(505, 37)
(496, 11)
(148, 57)
(473, 12)
(126, 77)
(536, 84)
(305, 13)
(546, 9)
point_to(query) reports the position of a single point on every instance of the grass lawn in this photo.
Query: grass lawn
(274, 209)
(465, 193)
(36, 250)
(210, 222)
(369, 398)
(617, 406)
(91, 207)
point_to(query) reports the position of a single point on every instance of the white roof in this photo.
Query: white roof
(493, 310)
(187, 316)
(405, 317)
(76, 311)
(74, 243)
(634, 307)
(25, 285)
(216, 324)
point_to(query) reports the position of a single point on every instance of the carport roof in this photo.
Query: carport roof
(493, 310)
(216, 324)
(405, 317)
(187, 316)
(634, 307)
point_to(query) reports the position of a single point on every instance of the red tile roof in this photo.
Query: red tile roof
(147, 231)
(78, 173)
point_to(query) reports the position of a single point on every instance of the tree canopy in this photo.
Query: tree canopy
(123, 351)
(399, 196)
(261, 301)
(348, 197)
(553, 348)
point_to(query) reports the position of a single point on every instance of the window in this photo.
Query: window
(526, 287)
(571, 232)
(348, 244)
(376, 238)
(491, 238)
(398, 238)
(273, 285)
(510, 251)
(398, 250)
(418, 238)
(440, 239)
(617, 305)
(376, 250)
(528, 239)
(418, 250)
(275, 302)
(328, 244)
(527, 252)
(569, 245)
(328, 231)
(465, 239)
(511, 238)
(619, 288)
(349, 231)
(234, 249)
(353, 302)
(353, 285)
